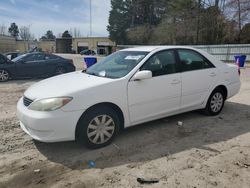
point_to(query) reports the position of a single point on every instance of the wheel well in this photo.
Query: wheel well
(106, 104)
(223, 88)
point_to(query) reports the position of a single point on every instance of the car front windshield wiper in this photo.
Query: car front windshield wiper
(98, 74)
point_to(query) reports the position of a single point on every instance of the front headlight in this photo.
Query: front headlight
(49, 104)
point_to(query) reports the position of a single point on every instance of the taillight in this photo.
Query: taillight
(238, 64)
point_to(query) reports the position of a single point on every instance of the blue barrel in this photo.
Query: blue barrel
(240, 59)
(90, 61)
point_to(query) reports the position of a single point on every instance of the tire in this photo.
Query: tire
(215, 102)
(60, 70)
(4, 75)
(97, 127)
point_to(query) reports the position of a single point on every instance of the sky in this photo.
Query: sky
(56, 15)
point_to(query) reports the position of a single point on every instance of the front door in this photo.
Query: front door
(31, 66)
(158, 96)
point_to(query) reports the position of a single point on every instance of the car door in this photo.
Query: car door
(198, 77)
(31, 65)
(51, 63)
(160, 95)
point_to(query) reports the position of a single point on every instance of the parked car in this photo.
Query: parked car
(34, 65)
(127, 88)
(12, 55)
(88, 52)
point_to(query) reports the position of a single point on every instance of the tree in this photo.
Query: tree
(25, 33)
(239, 9)
(245, 37)
(48, 36)
(177, 21)
(13, 30)
(3, 29)
(75, 32)
(119, 20)
(66, 34)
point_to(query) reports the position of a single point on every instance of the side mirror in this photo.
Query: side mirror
(142, 75)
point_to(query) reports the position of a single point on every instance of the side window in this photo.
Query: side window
(34, 57)
(2, 59)
(50, 57)
(191, 60)
(161, 63)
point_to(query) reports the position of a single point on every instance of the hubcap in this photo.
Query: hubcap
(216, 102)
(4, 75)
(100, 129)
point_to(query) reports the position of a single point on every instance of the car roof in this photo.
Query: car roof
(153, 48)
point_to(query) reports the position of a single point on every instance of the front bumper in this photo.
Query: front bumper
(51, 126)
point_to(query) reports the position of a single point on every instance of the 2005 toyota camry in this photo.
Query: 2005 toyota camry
(129, 87)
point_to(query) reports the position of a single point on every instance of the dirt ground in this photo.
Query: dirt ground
(207, 152)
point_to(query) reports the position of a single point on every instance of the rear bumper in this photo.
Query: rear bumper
(52, 126)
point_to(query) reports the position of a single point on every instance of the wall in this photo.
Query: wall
(47, 46)
(22, 46)
(7, 44)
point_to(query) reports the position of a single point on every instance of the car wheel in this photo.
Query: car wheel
(4, 75)
(215, 102)
(60, 70)
(98, 127)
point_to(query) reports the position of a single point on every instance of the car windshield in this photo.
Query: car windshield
(117, 64)
(19, 57)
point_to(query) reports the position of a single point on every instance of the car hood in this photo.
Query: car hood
(64, 85)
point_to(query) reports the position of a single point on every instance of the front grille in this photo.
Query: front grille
(27, 101)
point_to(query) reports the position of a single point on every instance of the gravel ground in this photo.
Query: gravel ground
(207, 152)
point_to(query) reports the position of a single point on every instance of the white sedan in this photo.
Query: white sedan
(127, 88)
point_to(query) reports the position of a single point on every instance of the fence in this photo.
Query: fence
(227, 52)
(224, 52)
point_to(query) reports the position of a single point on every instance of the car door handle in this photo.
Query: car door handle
(212, 74)
(175, 81)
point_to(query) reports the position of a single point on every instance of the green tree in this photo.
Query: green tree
(66, 34)
(13, 30)
(119, 20)
(48, 36)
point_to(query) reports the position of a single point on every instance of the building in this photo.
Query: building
(103, 45)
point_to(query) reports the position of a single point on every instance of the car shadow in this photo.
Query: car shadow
(155, 139)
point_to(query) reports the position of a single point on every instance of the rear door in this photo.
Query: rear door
(51, 63)
(31, 65)
(198, 77)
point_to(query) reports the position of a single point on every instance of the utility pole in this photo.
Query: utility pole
(90, 18)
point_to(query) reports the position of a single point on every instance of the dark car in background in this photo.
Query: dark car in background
(12, 55)
(88, 52)
(34, 64)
